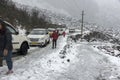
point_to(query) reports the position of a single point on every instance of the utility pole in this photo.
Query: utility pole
(82, 24)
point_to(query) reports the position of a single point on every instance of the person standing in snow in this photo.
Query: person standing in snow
(63, 33)
(54, 39)
(6, 46)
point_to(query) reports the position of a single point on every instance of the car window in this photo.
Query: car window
(11, 29)
(50, 30)
(38, 32)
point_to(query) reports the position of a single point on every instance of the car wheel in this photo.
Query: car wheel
(45, 43)
(24, 49)
(48, 41)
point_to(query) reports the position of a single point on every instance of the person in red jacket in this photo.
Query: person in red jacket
(55, 36)
(64, 33)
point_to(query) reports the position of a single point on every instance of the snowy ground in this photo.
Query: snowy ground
(70, 61)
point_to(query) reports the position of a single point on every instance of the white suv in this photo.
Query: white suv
(39, 37)
(20, 42)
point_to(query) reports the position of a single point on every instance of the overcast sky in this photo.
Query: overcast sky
(103, 12)
(70, 7)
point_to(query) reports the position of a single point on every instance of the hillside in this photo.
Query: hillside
(18, 16)
(104, 13)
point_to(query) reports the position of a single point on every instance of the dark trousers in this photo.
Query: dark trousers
(8, 59)
(54, 43)
(1, 61)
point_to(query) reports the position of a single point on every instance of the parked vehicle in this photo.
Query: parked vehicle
(71, 30)
(50, 31)
(20, 42)
(39, 37)
(60, 31)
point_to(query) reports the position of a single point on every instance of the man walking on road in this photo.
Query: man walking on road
(6, 46)
(54, 39)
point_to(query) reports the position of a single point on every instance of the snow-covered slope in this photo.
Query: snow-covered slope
(40, 4)
(57, 16)
(105, 13)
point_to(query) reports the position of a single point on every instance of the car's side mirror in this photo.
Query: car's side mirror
(17, 33)
(47, 33)
(27, 32)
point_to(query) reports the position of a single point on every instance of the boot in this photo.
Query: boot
(9, 72)
(1, 62)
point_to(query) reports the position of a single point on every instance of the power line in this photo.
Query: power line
(67, 4)
(77, 5)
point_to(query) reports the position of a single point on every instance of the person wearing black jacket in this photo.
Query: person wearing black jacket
(6, 46)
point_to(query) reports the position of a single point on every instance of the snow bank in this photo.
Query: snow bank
(111, 72)
(21, 30)
(60, 60)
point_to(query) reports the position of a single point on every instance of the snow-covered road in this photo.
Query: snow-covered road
(88, 66)
(27, 66)
(70, 61)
